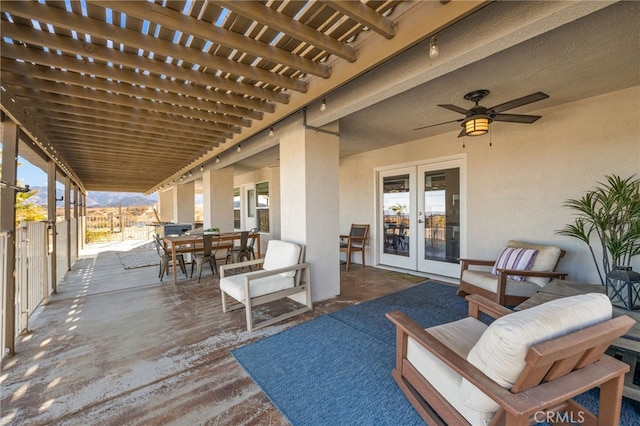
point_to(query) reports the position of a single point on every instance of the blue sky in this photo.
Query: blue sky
(28, 174)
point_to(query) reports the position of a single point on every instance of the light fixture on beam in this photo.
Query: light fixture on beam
(271, 132)
(323, 105)
(434, 51)
(217, 158)
(239, 148)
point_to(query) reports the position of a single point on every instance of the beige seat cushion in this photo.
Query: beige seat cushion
(460, 336)
(234, 285)
(546, 259)
(500, 352)
(488, 281)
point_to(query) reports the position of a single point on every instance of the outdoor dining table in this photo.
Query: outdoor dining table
(183, 244)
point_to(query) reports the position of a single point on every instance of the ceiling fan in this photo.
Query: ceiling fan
(478, 118)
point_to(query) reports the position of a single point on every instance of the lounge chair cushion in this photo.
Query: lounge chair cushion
(500, 352)
(234, 285)
(281, 254)
(488, 281)
(460, 336)
(546, 259)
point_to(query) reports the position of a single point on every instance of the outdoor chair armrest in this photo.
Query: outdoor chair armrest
(541, 274)
(270, 272)
(465, 263)
(479, 304)
(343, 237)
(236, 265)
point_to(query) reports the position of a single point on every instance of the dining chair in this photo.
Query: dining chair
(198, 258)
(165, 258)
(239, 252)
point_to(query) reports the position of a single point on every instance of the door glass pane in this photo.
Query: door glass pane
(442, 215)
(396, 205)
(251, 203)
(236, 208)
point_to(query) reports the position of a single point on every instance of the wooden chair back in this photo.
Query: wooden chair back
(358, 235)
(558, 357)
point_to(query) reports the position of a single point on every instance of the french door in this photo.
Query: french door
(421, 225)
(249, 206)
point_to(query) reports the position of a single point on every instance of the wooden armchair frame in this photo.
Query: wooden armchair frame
(355, 241)
(556, 371)
(499, 296)
(301, 287)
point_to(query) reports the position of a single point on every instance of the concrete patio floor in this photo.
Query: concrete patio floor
(116, 346)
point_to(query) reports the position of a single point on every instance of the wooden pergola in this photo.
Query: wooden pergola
(130, 95)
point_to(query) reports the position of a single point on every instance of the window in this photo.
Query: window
(262, 206)
(236, 208)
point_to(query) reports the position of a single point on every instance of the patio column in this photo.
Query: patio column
(67, 217)
(51, 215)
(309, 161)
(8, 225)
(185, 203)
(217, 199)
(165, 205)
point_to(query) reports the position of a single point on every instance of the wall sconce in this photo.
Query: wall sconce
(323, 105)
(433, 47)
(217, 158)
(61, 198)
(271, 132)
(239, 148)
(202, 168)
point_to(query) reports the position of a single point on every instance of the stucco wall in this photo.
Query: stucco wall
(516, 188)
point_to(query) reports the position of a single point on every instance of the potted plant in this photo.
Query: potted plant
(610, 214)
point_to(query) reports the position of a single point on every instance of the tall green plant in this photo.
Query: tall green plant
(610, 214)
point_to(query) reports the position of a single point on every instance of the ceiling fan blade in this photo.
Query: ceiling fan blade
(433, 125)
(534, 97)
(454, 108)
(462, 133)
(516, 118)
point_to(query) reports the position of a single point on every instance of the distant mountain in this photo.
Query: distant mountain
(99, 199)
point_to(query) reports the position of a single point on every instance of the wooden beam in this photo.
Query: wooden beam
(126, 101)
(124, 129)
(365, 15)
(71, 105)
(87, 132)
(96, 28)
(175, 20)
(235, 104)
(278, 21)
(78, 47)
(87, 83)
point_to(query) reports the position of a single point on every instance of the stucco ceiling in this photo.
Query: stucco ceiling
(596, 54)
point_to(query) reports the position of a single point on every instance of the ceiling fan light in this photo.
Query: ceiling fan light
(476, 126)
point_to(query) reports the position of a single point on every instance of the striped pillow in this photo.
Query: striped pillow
(515, 258)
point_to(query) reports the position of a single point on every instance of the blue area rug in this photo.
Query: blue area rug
(336, 369)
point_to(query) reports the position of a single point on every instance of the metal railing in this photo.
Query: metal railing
(104, 227)
(32, 263)
(4, 240)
